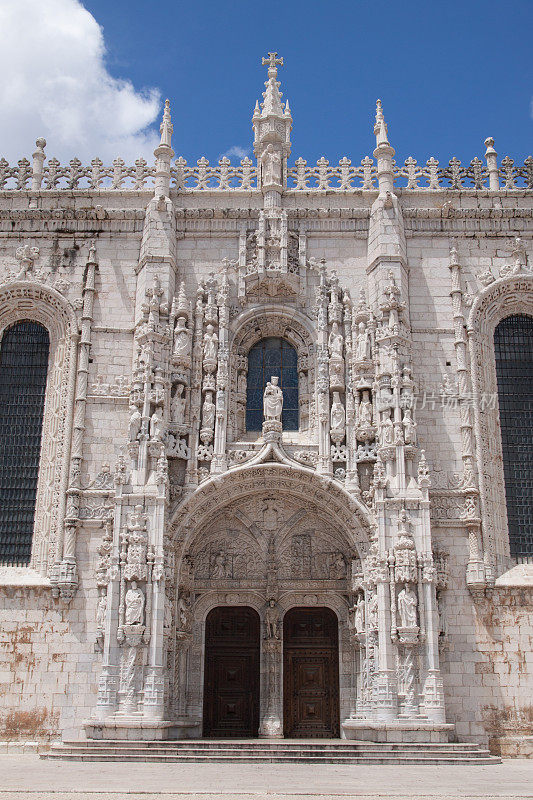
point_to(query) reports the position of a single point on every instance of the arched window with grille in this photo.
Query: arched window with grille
(513, 346)
(272, 356)
(24, 353)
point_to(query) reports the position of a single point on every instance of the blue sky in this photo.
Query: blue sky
(449, 75)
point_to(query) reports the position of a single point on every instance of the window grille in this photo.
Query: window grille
(513, 345)
(23, 369)
(272, 357)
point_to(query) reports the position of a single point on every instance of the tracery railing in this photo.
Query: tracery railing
(225, 176)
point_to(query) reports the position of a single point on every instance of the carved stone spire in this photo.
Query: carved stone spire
(384, 153)
(272, 124)
(163, 154)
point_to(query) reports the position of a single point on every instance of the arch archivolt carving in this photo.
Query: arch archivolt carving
(31, 300)
(502, 298)
(260, 323)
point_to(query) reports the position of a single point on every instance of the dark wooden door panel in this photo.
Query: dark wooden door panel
(231, 686)
(311, 673)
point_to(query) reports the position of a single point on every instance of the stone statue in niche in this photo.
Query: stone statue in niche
(338, 567)
(210, 344)
(363, 343)
(407, 604)
(135, 423)
(272, 620)
(134, 601)
(387, 429)
(373, 612)
(272, 166)
(359, 617)
(338, 416)
(219, 567)
(156, 426)
(208, 412)
(409, 427)
(101, 610)
(364, 419)
(178, 405)
(335, 341)
(272, 400)
(241, 383)
(184, 613)
(181, 338)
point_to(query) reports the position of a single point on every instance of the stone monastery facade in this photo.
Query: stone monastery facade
(340, 569)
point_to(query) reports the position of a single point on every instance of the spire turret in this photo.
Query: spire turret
(271, 139)
(384, 153)
(163, 154)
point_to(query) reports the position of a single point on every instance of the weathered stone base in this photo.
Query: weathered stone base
(130, 728)
(511, 746)
(397, 731)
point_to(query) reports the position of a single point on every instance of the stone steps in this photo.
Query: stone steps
(261, 751)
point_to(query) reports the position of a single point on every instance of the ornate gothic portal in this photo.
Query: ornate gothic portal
(262, 598)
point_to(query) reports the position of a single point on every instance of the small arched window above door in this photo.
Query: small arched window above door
(513, 347)
(23, 371)
(269, 357)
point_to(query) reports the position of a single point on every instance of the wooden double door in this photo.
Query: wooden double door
(231, 682)
(310, 673)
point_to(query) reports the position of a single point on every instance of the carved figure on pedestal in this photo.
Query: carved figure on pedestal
(387, 429)
(134, 601)
(219, 568)
(338, 567)
(335, 341)
(210, 344)
(338, 416)
(272, 400)
(359, 616)
(208, 413)
(272, 620)
(181, 338)
(409, 429)
(363, 343)
(178, 405)
(271, 166)
(135, 423)
(364, 417)
(184, 614)
(373, 612)
(407, 604)
(156, 425)
(101, 610)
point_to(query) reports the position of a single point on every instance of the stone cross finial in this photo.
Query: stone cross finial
(273, 62)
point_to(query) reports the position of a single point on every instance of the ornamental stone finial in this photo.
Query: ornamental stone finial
(273, 62)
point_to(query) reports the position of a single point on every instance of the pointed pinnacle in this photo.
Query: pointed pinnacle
(380, 127)
(166, 127)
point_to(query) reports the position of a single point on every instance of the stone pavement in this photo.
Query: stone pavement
(25, 776)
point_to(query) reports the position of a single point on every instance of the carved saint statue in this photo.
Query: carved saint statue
(178, 405)
(359, 620)
(210, 344)
(408, 427)
(156, 425)
(183, 613)
(272, 400)
(338, 567)
(407, 603)
(363, 343)
(101, 610)
(373, 612)
(387, 429)
(134, 601)
(219, 569)
(335, 341)
(135, 423)
(272, 620)
(337, 416)
(208, 412)
(271, 166)
(364, 419)
(181, 338)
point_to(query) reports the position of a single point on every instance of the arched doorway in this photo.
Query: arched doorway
(231, 675)
(310, 673)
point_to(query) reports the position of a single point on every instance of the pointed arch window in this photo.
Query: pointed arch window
(513, 346)
(269, 357)
(24, 354)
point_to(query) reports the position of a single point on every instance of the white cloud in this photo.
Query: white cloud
(237, 151)
(55, 84)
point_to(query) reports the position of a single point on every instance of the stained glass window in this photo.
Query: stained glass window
(269, 357)
(23, 368)
(513, 345)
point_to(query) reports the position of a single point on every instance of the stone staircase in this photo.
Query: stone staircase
(261, 751)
